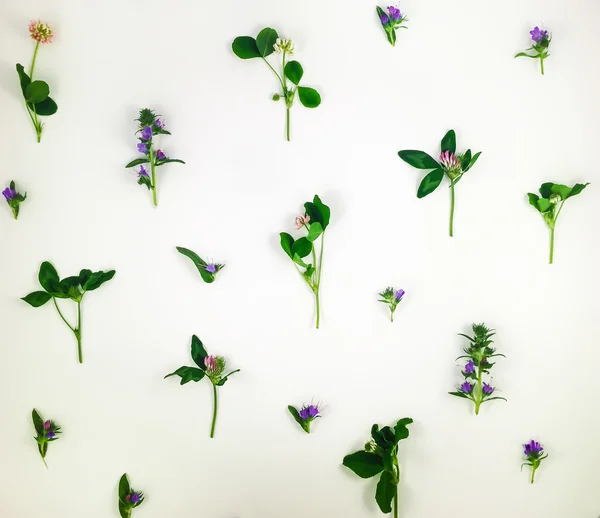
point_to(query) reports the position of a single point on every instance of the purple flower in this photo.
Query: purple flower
(466, 387)
(134, 498)
(47, 425)
(469, 367)
(160, 155)
(398, 295)
(537, 34)
(309, 412)
(394, 13)
(9, 194)
(159, 124)
(533, 448)
(143, 172)
(211, 268)
(50, 434)
(146, 133)
(142, 148)
(487, 389)
(385, 19)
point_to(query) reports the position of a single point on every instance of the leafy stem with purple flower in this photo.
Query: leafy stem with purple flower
(479, 352)
(315, 222)
(391, 21)
(13, 198)
(46, 432)
(267, 42)
(392, 297)
(208, 270)
(452, 165)
(211, 367)
(129, 498)
(306, 415)
(534, 453)
(380, 455)
(150, 125)
(541, 43)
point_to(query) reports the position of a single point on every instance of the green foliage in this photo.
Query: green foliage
(295, 414)
(244, 47)
(430, 183)
(201, 265)
(309, 97)
(265, 41)
(294, 72)
(418, 159)
(449, 142)
(38, 422)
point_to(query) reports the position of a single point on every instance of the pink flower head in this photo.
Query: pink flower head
(302, 221)
(449, 161)
(41, 32)
(210, 362)
(47, 425)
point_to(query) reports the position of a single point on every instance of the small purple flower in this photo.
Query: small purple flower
(533, 448)
(159, 124)
(134, 498)
(142, 148)
(385, 19)
(466, 387)
(537, 34)
(211, 268)
(394, 13)
(143, 172)
(50, 434)
(487, 389)
(469, 367)
(309, 412)
(146, 133)
(9, 194)
(398, 295)
(160, 155)
(47, 425)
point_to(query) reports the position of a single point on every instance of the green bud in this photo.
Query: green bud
(276, 97)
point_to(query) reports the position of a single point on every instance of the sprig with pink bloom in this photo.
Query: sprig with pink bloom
(390, 21)
(37, 93)
(46, 432)
(13, 198)
(314, 221)
(540, 46)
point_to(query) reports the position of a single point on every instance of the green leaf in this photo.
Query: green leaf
(400, 430)
(449, 142)
(36, 91)
(309, 97)
(124, 487)
(315, 230)
(123, 510)
(169, 161)
(294, 72)
(577, 188)
(84, 275)
(459, 394)
(23, 78)
(544, 205)
(187, 374)
(466, 160)
(473, 160)
(48, 277)
(297, 417)
(430, 183)
(298, 260)
(318, 212)
(546, 189)
(97, 279)
(137, 161)
(46, 107)
(69, 287)
(287, 242)
(244, 47)
(533, 200)
(265, 41)
(198, 352)
(302, 247)
(198, 262)
(386, 490)
(524, 55)
(364, 464)
(38, 422)
(562, 190)
(418, 159)
(37, 298)
(225, 378)
(384, 438)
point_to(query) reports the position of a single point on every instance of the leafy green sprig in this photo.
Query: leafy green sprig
(208, 271)
(46, 432)
(129, 498)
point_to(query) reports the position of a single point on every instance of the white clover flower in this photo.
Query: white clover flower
(286, 46)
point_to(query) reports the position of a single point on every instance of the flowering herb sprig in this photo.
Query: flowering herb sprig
(150, 125)
(37, 93)
(73, 288)
(479, 352)
(267, 42)
(381, 456)
(534, 455)
(315, 222)
(208, 271)
(453, 165)
(391, 21)
(550, 203)
(392, 297)
(46, 432)
(129, 499)
(540, 46)
(212, 367)
(13, 198)
(306, 415)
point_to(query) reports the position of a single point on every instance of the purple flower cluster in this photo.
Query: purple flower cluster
(393, 15)
(538, 35)
(49, 430)
(9, 194)
(133, 498)
(533, 449)
(310, 412)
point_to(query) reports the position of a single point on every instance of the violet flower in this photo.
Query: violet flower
(391, 21)
(541, 44)
(211, 268)
(14, 198)
(466, 387)
(142, 148)
(487, 389)
(146, 133)
(533, 452)
(469, 367)
(46, 432)
(392, 297)
(160, 155)
(306, 415)
(129, 499)
(208, 270)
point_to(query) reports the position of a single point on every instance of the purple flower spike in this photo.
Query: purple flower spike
(533, 448)
(537, 34)
(398, 295)
(466, 387)
(160, 155)
(142, 148)
(487, 389)
(385, 19)
(146, 133)
(309, 412)
(394, 13)
(9, 194)
(469, 367)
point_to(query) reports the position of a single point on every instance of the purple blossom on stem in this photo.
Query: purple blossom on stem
(160, 155)
(133, 498)
(449, 161)
(159, 124)
(466, 387)
(533, 448)
(146, 133)
(385, 19)
(399, 294)
(309, 412)
(9, 194)
(394, 13)
(487, 389)
(537, 34)
(469, 367)
(211, 268)
(142, 147)
(143, 172)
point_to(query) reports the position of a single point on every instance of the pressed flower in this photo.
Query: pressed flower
(283, 45)
(208, 270)
(541, 43)
(129, 499)
(160, 155)
(469, 367)
(487, 389)
(142, 147)
(306, 415)
(14, 198)
(392, 297)
(146, 133)
(390, 21)
(534, 455)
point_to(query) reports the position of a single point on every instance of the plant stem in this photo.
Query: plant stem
(452, 209)
(551, 245)
(479, 394)
(214, 418)
(542, 64)
(391, 316)
(78, 333)
(532, 475)
(396, 503)
(153, 170)
(287, 123)
(44, 461)
(38, 128)
(37, 46)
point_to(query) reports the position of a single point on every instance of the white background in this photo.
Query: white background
(242, 185)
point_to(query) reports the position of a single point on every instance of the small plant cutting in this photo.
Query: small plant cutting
(73, 288)
(479, 352)
(37, 93)
(453, 165)
(550, 203)
(392, 297)
(534, 455)
(391, 21)
(267, 42)
(306, 415)
(208, 271)
(315, 221)
(212, 367)
(13, 198)
(150, 125)
(381, 456)
(129, 499)
(46, 432)
(540, 46)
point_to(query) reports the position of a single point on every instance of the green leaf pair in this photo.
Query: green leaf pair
(208, 271)
(73, 288)
(550, 203)
(380, 456)
(267, 42)
(129, 499)
(37, 99)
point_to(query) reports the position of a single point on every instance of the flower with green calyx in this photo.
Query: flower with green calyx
(46, 432)
(314, 222)
(540, 46)
(266, 43)
(550, 203)
(149, 126)
(13, 198)
(73, 288)
(129, 499)
(392, 297)
(208, 271)
(37, 93)
(478, 355)
(306, 415)
(211, 367)
(453, 165)
(391, 21)
(534, 455)
(380, 455)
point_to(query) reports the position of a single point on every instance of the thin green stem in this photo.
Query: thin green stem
(551, 245)
(62, 316)
(319, 277)
(542, 64)
(287, 123)
(451, 209)
(391, 316)
(153, 171)
(532, 474)
(78, 333)
(37, 46)
(214, 418)
(479, 392)
(44, 461)
(278, 76)
(34, 119)
(396, 502)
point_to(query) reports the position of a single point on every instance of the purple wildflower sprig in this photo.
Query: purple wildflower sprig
(534, 455)
(392, 297)
(129, 498)
(208, 270)
(540, 46)
(211, 367)
(150, 125)
(46, 432)
(479, 352)
(391, 21)
(306, 415)
(13, 198)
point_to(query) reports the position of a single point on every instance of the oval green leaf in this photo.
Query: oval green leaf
(449, 142)
(46, 107)
(287, 242)
(364, 464)
(418, 159)
(38, 422)
(188, 374)
(294, 72)
(124, 488)
(577, 188)
(302, 247)
(244, 47)
(314, 231)
(24, 79)
(37, 91)
(265, 41)
(386, 490)
(430, 183)
(48, 277)
(198, 352)
(37, 298)
(309, 97)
